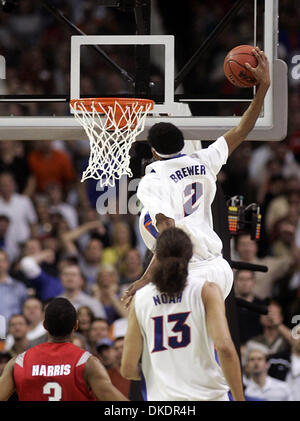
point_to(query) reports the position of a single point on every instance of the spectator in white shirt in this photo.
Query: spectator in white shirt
(260, 386)
(34, 314)
(72, 282)
(18, 208)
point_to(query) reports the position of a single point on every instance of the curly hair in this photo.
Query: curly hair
(173, 251)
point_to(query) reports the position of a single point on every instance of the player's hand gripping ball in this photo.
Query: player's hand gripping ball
(234, 66)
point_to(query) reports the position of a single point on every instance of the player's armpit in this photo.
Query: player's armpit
(99, 382)
(7, 384)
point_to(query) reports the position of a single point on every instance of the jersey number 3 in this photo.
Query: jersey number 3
(53, 390)
(192, 193)
(180, 327)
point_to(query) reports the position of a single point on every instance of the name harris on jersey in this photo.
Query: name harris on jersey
(51, 370)
(188, 171)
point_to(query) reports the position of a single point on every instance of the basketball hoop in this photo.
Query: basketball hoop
(112, 125)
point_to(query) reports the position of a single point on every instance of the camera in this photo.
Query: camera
(243, 219)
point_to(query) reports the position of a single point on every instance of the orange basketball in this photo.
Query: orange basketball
(234, 66)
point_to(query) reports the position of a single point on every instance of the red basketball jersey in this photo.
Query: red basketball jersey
(52, 372)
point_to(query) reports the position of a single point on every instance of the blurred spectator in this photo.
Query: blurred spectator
(79, 237)
(14, 161)
(133, 268)
(277, 266)
(260, 385)
(85, 319)
(18, 209)
(121, 244)
(80, 341)
(264, 153)
(7, 242)
(45, 285)
(90, 257)
(98, 331)
(234, 176)
(44, 223)
(117, 380)
(91, 260)
(4, 358)
(107, 292)
(248, 320)
(283, 238)
(72, 282)
(18, 328)
(276, 337)
(34, 314)
(49, 165)
(118, 328)
(106, 353)
(57, 205)
(279, 206)
(12, 292)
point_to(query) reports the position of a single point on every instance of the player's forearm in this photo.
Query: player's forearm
(238, 134)
(230, 365)
(252, 113)
(149, 271)
(131, 372)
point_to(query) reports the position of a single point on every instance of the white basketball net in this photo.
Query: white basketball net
(110, 138)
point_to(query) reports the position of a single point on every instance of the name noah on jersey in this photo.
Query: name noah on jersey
(167, 299)
(51, 370)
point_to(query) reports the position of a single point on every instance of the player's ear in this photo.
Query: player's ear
(44, 324)
(154, 154)
(76, 325)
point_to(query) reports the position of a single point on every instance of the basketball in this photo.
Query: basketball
(234, 66)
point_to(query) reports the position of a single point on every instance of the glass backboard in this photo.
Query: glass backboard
(77, 41)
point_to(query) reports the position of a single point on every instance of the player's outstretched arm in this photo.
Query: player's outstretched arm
(133, 347)
(218, 330)
(235, 136)
(98, 380)
(7, 384)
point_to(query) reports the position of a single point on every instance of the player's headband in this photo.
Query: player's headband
(170, 155)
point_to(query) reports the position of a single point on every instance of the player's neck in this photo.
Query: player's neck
(55, 340)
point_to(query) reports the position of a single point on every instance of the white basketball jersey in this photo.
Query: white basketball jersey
(178, 360)
(183, 188)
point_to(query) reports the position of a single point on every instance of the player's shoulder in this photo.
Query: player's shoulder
(194, 284)
(144, 296)
(146, 291)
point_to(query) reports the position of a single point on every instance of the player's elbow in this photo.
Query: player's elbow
(225, 348)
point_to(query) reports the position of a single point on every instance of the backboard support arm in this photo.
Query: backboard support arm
(188, 67)
(62, 18)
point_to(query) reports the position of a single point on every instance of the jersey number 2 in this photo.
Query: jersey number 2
(192, 192)
(179, 327)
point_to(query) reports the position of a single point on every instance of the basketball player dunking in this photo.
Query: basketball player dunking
(175, 322)
(178, 190)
